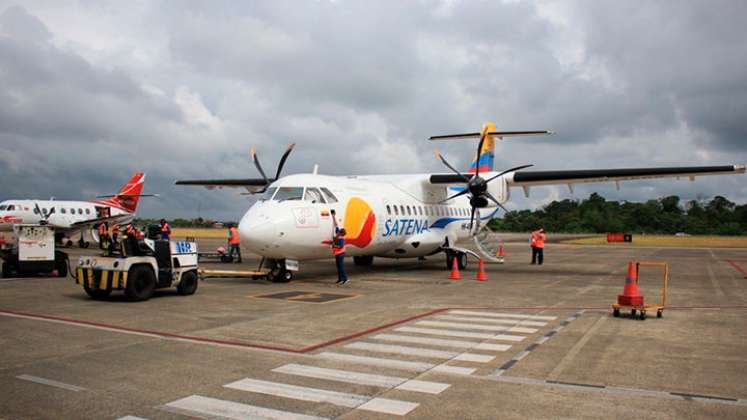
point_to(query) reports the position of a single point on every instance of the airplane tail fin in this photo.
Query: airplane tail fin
(129, 195)
(486, 157)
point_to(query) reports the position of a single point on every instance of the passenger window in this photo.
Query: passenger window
(289, 193)
(408, 211)
(313, 195)
(388, 210)
(402, 209)
(80, 211)
(420, 210)
(329, 196)
(11, 207)
(36, 210)
(396, 211)
(88, 211)
(63, 211)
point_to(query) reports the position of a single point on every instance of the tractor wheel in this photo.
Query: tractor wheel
(616, 313)
(188, 285)
(141, 282)
(96, 294)
(659, 313)
(643, 315)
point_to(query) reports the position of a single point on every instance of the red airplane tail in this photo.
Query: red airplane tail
(129, 195)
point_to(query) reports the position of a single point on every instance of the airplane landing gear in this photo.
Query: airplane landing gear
(461, 258)
(363, 260)
(278, 273)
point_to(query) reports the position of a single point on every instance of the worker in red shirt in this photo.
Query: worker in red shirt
(338, 250)
(234, 242)
(538, 246)
(103, 235)
(165, 230)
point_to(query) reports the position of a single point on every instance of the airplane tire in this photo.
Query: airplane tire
(449, 257)
(188, 285)
(462, 260)
(141, 282)
(96, 294)
(363, 260)
(278, 273)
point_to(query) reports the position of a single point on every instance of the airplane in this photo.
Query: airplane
(399, 216)
(72, 217)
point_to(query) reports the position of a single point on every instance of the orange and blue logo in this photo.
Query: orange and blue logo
(360, 223)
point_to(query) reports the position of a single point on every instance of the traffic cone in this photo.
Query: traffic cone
(454, 270)
(500, 254)
(481, 276)
(631, 295)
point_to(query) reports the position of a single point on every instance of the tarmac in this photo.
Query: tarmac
(400, 340)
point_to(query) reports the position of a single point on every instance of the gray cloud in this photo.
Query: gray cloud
(93, 92)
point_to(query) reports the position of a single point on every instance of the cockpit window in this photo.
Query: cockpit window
(11, 207)
(289, 193)
(3, 207)
(329, 196)
(267, 195)
(313, 195)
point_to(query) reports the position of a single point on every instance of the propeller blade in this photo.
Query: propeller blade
(282, 159)
(42, 216)
(490, 196)
(509, 170)
(479, 149)
(259, 167)
(438, 155)
(465, 191)
(472, 218)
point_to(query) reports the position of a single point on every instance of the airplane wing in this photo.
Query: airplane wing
(251, 184)
(526, 179)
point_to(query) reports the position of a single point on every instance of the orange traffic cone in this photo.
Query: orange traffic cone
(631, 295)
(454, 270)
(481, 276)
(500, 254)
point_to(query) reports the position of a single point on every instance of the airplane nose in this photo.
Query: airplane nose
(259, 236)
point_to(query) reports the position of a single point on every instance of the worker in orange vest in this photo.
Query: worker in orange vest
(538, 246)
(338, 249)
(165, 230)
(114, 244)
(103, 235)
(234, 242)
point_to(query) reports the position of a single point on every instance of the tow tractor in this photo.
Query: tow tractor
(33, 252)
(138, 268)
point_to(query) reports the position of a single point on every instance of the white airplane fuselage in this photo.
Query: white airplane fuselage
(397, 216)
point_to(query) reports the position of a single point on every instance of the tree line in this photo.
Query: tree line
(667, 215)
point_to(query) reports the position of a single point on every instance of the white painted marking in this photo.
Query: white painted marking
(215, 408)
(387, 406)
(492, 320)
(543, 340)
(298, 392)
(459, 344)
(500, 315)
(471, 357)
(426, 387)
(362, 378)
(521, 355)
(375, 361)
(461, 334)
(477, 326)
(523, 330)
(454, 370)
(419, 351)
(50, 382)
(131, 418)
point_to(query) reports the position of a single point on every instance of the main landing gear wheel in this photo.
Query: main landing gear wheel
(659, 313)
(461, 258)
(278, 273)
(363, 260)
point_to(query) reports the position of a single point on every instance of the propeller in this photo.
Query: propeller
(477, 187)
(44, 217)
(255, 159)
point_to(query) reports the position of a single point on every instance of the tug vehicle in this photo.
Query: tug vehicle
(33, 252)
(139, 268)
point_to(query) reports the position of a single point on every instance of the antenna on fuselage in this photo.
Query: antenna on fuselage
(316, 169)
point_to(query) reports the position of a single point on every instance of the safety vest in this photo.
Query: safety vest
(338, 246)
(115, 230)
(165, 228)
(233, 236)
(538, 239)
(102, 230)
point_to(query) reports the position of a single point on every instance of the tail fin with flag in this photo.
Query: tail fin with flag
(129, 195)
(486, 157)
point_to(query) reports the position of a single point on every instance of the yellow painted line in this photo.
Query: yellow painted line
(90, 278)
(104, 279)
(115, 280)
(124, 279)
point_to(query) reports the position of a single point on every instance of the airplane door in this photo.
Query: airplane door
(320, 209)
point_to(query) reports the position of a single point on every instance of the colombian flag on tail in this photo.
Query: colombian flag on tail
(487, 154)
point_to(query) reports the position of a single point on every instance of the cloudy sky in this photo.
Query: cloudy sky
(91, 91)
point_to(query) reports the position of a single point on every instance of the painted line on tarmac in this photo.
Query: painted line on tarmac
(617, 390)
(420, 351)
(501, 315)
(50, 382)
(508, 365)
(351, 377)
(376, 361)
(132, 418)
(198, 406)
(737, 267)
(459, 344)
(343, 399)
(461, 334)
(492, 320)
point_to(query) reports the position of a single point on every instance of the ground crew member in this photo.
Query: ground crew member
(338, 250)
(165, 230)
(115, 238)
(103, 235)
(538, 246)
(234, 242)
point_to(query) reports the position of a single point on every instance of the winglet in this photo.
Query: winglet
(739, 169)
